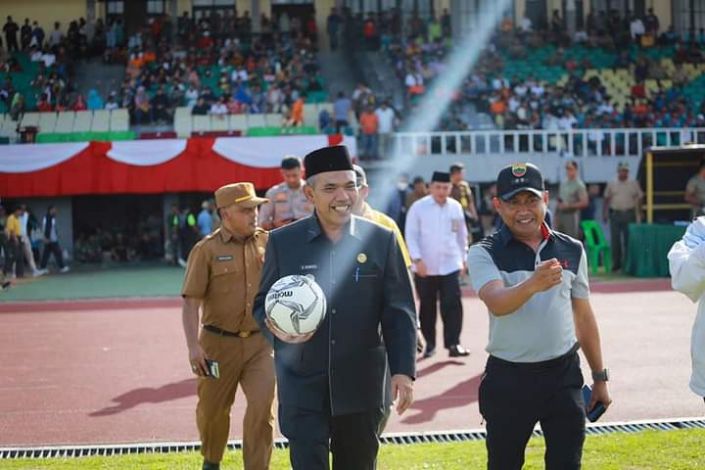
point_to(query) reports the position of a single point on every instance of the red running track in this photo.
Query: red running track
(115, 371)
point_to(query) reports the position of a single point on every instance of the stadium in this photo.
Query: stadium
(125, 124)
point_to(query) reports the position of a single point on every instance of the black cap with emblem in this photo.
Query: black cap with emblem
(333, 158)
(517, 178)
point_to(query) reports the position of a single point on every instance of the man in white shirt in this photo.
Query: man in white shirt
(437, 240)
(687, 265)
(386, 119)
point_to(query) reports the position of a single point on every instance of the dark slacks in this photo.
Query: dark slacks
(52, 248)
(352, 439)
(447, 287)
(515, 396)
(619, 234)
(14, 258)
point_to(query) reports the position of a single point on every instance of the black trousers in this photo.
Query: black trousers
(515, 396)
(14, 258)
(447, 287)
(352, 439)
(52, 248)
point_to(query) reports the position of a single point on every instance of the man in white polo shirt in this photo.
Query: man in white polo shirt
(437, 239)
(535, 285)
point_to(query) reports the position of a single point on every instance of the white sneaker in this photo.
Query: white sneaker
(65, 269)
(39, 272)
(182, 263)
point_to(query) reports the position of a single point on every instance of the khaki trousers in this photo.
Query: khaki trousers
(250, 363)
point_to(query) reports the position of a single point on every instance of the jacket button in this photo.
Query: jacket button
(332, 342)
(333, 311)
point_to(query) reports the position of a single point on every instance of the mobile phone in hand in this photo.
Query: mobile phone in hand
(213, 369)
(597, 411)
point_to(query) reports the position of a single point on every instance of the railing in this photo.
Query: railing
(572, 143)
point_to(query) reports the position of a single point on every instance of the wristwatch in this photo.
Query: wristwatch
(601, 376)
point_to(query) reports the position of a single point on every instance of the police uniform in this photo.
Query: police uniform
(623, 198)
(570, 192)
(285, 204)
(224, 272)
(331, 389)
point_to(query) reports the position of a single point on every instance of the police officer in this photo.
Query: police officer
(222, 277)
(572, 198)
(535, 285)
(461, 192)
(622, 207)
(331, 384)
(288, 202)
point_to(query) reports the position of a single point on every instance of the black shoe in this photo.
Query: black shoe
(458, 351)
(210, 466)
(429, 352)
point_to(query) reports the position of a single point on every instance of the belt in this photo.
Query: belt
(235, 334)
(537, 365)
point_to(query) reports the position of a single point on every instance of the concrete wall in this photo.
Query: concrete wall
(46, 12)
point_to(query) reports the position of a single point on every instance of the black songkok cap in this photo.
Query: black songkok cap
(440, 177)
(334, 158)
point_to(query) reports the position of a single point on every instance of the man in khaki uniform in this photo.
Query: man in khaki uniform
(461, 192)
(572, 198)
(222, 278)
(623, 207)
(287, 201)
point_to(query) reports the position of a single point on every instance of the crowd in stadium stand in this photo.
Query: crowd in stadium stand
(218, 68)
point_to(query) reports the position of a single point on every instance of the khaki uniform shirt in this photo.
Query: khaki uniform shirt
(623, 195)
(697, 185)
(571, 191)
(284, 204)
(224, 272)
(462, 193)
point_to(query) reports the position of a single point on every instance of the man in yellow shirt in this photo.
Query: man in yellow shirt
(14, 253)
(363, 209)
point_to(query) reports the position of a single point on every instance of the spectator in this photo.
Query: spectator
(142, 107)
(111, 104)
(56, 36)
(37, 36)
(201, 108)
(95, 102)
(79, 104)
(162, 106)
(10, 29)
(25, 34)
(572, 198)
(333, 23)
(44, 105)
(341, 112)
(369, 128)
(386, 118)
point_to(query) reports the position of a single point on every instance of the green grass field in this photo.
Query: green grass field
(652, 450)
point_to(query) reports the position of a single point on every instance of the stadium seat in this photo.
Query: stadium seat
(596, 246)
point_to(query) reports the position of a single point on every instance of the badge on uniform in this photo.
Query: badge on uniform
(224, 258)
(362, 258)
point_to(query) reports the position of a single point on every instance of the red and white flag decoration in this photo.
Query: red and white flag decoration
(150, 166)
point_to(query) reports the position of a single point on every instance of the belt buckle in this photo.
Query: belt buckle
(244, 334)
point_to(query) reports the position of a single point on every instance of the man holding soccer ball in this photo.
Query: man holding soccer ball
(331, 383)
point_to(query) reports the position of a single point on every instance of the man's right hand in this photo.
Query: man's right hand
(287, 338)
(197, 358)
(547, 274)
(421, 269)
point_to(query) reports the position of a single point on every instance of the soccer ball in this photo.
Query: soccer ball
(296, 304)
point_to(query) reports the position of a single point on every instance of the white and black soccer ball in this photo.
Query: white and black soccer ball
(296, 304)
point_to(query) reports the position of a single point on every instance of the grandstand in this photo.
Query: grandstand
(539, 93)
